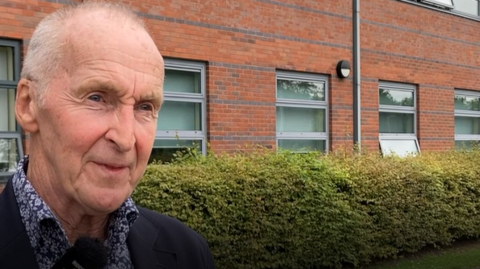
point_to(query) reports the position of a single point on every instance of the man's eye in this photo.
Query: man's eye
(146, 107)
(95, 98)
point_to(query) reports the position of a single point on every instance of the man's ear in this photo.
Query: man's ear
(26, 106)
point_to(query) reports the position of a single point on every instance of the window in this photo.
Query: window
(181, 120)
(467, 118)
(10, 139)
(302, 109)
(461, 7)
(467, 6)
(397, 119)
(440, 3)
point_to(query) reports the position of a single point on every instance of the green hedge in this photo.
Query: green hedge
(284, 210)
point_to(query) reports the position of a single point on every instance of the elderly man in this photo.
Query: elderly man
(89, 95)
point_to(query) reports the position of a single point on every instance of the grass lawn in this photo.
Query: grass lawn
(462, 255)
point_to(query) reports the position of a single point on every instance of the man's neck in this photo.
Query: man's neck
(85, 226)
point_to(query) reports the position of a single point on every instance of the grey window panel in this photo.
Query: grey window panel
(188, 66)
(299, 103)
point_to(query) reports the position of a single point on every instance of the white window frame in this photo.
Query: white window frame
(448, 4)
(398, 109)
(199, 98)
(283, 102)
(12, 84)
(467, 113)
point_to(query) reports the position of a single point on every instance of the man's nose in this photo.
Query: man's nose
(121, 129)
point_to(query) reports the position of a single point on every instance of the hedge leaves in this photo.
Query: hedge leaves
(285, 210)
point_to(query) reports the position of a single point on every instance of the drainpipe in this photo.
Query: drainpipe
(357, 124)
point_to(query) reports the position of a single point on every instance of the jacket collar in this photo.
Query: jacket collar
(146, 250)
(13, 236)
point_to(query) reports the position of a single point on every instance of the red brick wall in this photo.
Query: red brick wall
(245, 42)
(436, 51)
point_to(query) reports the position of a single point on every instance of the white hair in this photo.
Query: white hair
(47, 48)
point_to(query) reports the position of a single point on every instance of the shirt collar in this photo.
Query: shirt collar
(33, 210)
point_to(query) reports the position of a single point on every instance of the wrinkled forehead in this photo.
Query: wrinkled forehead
(117, 52)
(103, 29)
(100, 35)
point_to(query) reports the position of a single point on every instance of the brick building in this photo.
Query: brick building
(264, 72)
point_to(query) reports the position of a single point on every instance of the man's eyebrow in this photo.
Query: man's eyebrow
(153, 95)
(97, 85)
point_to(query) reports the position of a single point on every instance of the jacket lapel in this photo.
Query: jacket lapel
(144, 252)
(13, 237)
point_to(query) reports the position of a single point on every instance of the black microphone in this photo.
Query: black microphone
(86, 253)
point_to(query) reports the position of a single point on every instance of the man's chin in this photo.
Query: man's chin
(104, 202)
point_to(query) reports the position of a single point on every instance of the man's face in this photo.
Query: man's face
(98, 123)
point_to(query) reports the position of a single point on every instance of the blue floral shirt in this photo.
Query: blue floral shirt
(47, 237)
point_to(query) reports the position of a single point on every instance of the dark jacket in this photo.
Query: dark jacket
(154, 241)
